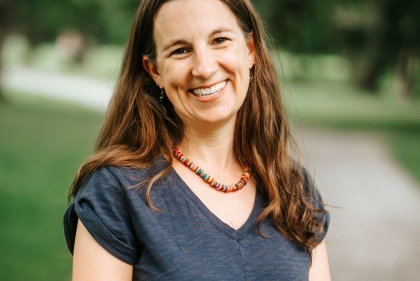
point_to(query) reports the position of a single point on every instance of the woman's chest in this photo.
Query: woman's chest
(214, 258)
(232, 208)
(187, 244)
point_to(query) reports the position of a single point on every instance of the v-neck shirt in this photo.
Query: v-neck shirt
(236, 234)
(183, 240)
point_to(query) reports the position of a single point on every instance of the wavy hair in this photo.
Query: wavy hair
(138, 129)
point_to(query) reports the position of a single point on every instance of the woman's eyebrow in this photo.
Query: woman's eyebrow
(220, 30)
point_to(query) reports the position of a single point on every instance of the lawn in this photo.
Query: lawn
(42, 143)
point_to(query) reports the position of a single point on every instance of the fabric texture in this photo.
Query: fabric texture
(184, 241)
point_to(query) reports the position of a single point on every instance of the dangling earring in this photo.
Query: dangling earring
(251, 74)
(161, 95)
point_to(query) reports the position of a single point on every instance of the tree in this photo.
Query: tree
(5, 27)
(376, 35)
(383, 35)
(40, 21)
(298, 25)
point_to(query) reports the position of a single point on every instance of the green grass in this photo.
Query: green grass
(42, 143)
(406, 147)
(339, 105)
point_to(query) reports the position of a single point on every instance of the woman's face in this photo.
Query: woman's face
(203, 60)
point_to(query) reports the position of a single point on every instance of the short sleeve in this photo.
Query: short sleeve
(101, 204)
(316, 199)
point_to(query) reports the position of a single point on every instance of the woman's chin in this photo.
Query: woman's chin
(214, 119)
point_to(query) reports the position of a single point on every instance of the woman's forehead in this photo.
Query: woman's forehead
(188, 18)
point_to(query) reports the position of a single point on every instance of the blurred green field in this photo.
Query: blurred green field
(42, 143)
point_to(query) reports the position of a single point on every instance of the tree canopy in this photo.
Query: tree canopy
(377, 35)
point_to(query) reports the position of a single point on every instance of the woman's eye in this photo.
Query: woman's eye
(179, 51)
(220, 40)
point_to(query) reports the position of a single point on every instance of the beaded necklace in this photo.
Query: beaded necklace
(210, 180)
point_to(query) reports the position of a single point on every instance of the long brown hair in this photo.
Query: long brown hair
(138, 129)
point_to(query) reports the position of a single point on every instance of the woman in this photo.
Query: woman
(197, 87)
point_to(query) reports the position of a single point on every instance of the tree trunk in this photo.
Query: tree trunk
(6, 10)
(366, 72)
(408, 71)
(369, 65)
(369, 76)
(2, 39)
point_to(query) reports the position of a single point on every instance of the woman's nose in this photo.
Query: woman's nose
(204, 64)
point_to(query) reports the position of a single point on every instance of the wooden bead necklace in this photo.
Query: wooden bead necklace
(210, 180)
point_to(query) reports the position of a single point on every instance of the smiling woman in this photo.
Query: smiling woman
(200, 47)
(196, 79)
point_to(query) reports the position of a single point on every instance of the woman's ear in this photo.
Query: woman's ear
(251, 50)
(151, 68)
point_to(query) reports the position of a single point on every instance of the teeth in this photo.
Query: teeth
(210, 91)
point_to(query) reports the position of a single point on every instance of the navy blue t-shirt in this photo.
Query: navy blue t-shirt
(184, 241)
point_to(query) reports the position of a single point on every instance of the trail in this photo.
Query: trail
(375, 229)
(93, 93)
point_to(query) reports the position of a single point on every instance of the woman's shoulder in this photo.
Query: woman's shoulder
(129, 175)
(111, 179)
(313, 195)
(300, 173)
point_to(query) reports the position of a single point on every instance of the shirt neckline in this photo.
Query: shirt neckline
(235, 234)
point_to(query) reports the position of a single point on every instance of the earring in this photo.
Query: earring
(251, 76)
(161, 95)
(251, 73)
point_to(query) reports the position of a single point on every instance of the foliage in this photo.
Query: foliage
(44, 20)
(377, 36)
(382, 36)
(41, 146)
(299, 26)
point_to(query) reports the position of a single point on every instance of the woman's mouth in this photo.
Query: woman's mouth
(211, 91)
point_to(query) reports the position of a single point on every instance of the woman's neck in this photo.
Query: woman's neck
(208, 145)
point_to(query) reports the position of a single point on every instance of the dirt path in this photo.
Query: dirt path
(93, 93)
(375, 232)
(374, 235)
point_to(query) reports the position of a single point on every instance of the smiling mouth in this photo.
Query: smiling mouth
(205, 92)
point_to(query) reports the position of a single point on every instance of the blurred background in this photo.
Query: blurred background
(350, 74)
